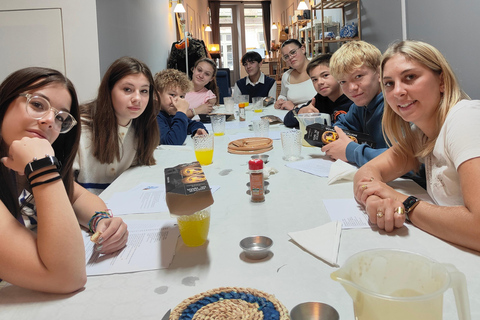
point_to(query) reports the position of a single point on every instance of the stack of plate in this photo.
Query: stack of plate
(250, 145)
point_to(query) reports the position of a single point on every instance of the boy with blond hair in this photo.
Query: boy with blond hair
(356, 68)
(174, 125)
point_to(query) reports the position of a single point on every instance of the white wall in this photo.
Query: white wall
(143, 29)
(79, 24)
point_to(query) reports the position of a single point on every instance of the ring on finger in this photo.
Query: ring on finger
(380, 214)
(363, 186)
(400, 210)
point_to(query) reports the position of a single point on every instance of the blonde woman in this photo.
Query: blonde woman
(429, 120)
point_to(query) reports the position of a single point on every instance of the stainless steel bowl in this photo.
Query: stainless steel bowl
(256, 247)
(314, 311)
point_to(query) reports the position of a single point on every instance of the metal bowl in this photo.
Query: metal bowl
(314, 311)
(264, 157)
(256, 247)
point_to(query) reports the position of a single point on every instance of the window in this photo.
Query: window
(254, 39)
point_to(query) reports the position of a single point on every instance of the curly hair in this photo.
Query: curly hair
(172, 78)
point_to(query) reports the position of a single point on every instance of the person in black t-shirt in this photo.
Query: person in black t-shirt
(329, 99)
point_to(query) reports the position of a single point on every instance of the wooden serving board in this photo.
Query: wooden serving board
(250, 145)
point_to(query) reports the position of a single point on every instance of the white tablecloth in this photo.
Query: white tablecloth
(290, 273)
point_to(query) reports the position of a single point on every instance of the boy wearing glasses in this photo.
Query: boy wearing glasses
(256, 83)
(329, 99)
(356, 68)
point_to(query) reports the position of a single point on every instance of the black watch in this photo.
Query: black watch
(409, 205)
(41, 163)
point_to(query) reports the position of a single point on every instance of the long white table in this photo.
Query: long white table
(290, 273)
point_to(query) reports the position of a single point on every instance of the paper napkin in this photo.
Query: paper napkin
(323, 241)
(340, 170)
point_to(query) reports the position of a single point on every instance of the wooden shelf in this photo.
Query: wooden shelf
(322, 5)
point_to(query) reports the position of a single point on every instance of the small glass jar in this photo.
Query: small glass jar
(241, 111)
(256, 180)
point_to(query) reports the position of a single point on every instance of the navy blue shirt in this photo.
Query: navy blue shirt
(258, 90)
(174, 129)
(365, 119)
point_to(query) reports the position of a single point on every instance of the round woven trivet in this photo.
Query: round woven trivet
(230, 303)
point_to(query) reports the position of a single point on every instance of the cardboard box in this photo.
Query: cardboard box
(187, 189)
(320, 134)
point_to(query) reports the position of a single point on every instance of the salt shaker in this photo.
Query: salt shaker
(256, 180)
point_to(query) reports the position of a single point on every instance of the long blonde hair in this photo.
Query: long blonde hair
(401, 134)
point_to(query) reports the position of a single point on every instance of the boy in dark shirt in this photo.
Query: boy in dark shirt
(174, 125)
(329, 99)
(256, 83)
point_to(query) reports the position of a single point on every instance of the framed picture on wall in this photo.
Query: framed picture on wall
(290, 13)
(191, 21)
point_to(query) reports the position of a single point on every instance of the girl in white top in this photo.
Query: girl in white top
(205, 90)
(429, 119)
(38, 140)
(297, 88)
(119, 128)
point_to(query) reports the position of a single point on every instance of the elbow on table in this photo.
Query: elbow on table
(65, 285)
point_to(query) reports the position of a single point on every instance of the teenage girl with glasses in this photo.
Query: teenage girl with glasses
(38, 142)
(297, 88)
(119, 128)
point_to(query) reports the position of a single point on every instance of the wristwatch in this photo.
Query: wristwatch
(41, 163)
(409, 205)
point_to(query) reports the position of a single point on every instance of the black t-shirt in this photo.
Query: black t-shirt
(323, 105)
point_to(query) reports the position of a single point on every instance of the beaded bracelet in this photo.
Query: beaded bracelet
(99, 215)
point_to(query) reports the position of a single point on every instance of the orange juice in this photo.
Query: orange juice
(194, 228)
(204, 156)
(218, 133)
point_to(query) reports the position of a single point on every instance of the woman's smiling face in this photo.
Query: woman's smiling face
(412, 90)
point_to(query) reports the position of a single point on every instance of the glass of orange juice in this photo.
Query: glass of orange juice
(194, 228)
(218, 124)
(244, 98)
(203, 146)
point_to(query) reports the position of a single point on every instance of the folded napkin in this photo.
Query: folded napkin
(268, 171)
(340, 170)
(323, 241)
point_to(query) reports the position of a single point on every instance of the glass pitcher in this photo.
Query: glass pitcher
(305, 119)
(395, 284)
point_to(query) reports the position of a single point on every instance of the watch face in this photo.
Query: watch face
(410, 203)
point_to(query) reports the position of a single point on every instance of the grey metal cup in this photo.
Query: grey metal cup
(314, 311)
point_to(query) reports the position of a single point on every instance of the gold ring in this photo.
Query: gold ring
(380, 214)
(363, 186)
(400, 210)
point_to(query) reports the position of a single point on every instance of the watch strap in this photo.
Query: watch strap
(41, 163)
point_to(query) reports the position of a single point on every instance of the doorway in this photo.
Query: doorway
(241, 30)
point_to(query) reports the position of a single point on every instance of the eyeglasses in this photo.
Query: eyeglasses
(291, 54)
(38, 107)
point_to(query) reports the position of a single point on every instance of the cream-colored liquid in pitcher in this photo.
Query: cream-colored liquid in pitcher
(370, 308)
